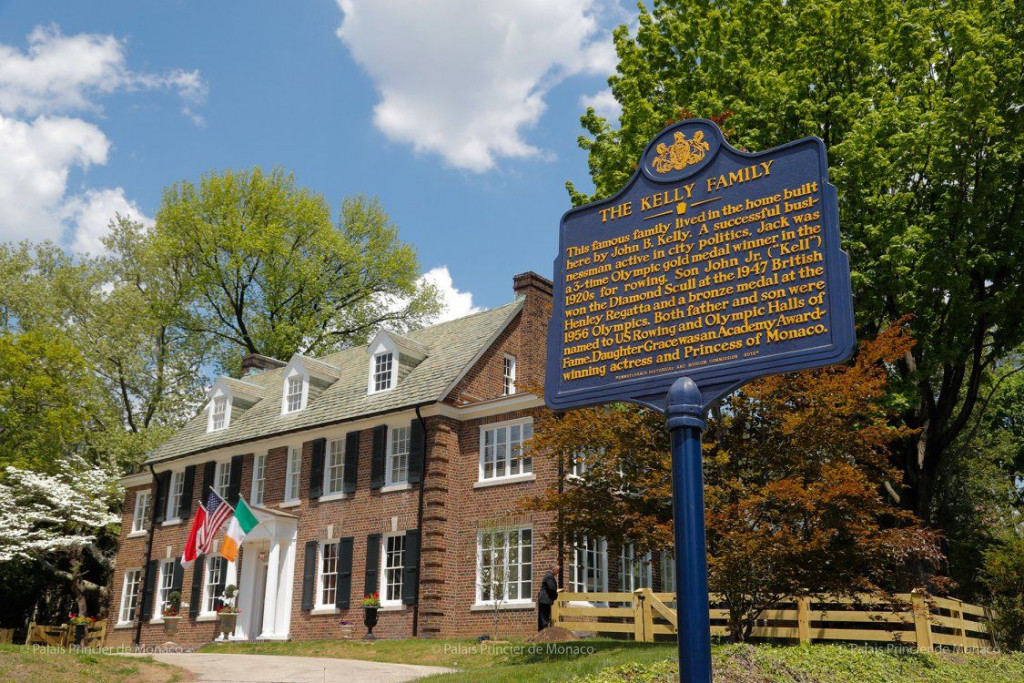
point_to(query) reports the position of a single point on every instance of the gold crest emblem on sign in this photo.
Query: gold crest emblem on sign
(681, 154)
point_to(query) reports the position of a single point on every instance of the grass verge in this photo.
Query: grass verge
(616, 661)
(32, 664)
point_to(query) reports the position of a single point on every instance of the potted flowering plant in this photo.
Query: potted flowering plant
(80, 624)
(371, 603)
(172, 613)
(227, 613)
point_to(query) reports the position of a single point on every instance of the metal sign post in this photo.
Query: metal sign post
(686, 426)
(711, 267)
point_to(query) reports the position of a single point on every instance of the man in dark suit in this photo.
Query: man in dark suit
(547, 597)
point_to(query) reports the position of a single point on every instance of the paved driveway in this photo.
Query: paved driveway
(279, 669)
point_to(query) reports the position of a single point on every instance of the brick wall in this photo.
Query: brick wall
(454, 509)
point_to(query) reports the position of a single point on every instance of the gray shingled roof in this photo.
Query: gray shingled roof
(452, 345)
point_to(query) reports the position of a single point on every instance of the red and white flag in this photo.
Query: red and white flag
(209, 519)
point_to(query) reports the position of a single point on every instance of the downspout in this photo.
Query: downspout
(149, 554)
(419, 524)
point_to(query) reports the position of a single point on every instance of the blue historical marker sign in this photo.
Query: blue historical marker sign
(712, 264)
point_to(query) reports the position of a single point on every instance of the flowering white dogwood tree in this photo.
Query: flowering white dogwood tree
(56, 520)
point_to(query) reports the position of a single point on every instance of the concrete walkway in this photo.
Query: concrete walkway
(281, 669)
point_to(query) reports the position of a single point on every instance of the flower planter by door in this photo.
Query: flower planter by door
(369, 620)
(227, 624)
(171, 625)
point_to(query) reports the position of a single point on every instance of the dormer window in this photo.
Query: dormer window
(294, 390)
(229, 399)
(392, 358)
(304, 380)
(383, 370)
(219, 413)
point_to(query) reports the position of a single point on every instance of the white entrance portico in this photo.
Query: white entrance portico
(265, 578)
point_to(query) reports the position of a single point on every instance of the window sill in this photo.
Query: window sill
(290, 504)
(324, 610)
(156, 620)
(391, 488)
(137, 534)
(172, 522)
(332, 496)
(123, 624)
(207, 616)
(517, 479)
(506, 606)
(392, 608)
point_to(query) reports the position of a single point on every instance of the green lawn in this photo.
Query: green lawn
(614, 661)
(28, 664)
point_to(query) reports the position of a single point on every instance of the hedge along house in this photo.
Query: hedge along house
(395, 467)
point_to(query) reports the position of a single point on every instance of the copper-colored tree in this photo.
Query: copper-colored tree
(795, 467)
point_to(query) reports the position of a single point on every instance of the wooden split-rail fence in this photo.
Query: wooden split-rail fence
(919, 620)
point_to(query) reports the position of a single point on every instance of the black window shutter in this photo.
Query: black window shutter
(416, 448)
(351, 471)
(185, 506)
(370, 583)
(380, 447)
(309, 575)
(147, 601)
(316, 472)
(178, 577)
(235, 482)
(344, 594)
(197, 587)
(209, 472)
(411, 567)
(163, 484)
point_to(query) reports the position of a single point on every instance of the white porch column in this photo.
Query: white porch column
(270, 596)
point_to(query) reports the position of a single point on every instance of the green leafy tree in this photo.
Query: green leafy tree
(270, 274)
(919, 105)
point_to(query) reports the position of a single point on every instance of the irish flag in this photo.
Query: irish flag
(244, 521)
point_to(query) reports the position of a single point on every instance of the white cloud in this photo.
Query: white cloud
(35, 158)
(61, 73)
(89, 214)
(465, 79)
(457, 303)
(604, 103)
(41, 143)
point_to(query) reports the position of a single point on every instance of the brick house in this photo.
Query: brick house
(395, 467)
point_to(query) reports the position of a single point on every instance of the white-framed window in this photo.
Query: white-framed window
(588, 566)
(509, 374)
(174, 493)
(292, 472)
(211, 580)
(398, 456)
(383, 377)
(222, 479)
(219, 413)
(295, 390)
(259, 479)
(327, 575)
(334, 467)
(130, 595)
(668, 572)
(634, 572)
(505, 451)
(141, 514)
(504, 565)
(165, 583)
(392, 567)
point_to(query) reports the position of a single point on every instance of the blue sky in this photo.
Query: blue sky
(462, 116)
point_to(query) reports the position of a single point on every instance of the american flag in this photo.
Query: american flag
(217, 512)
